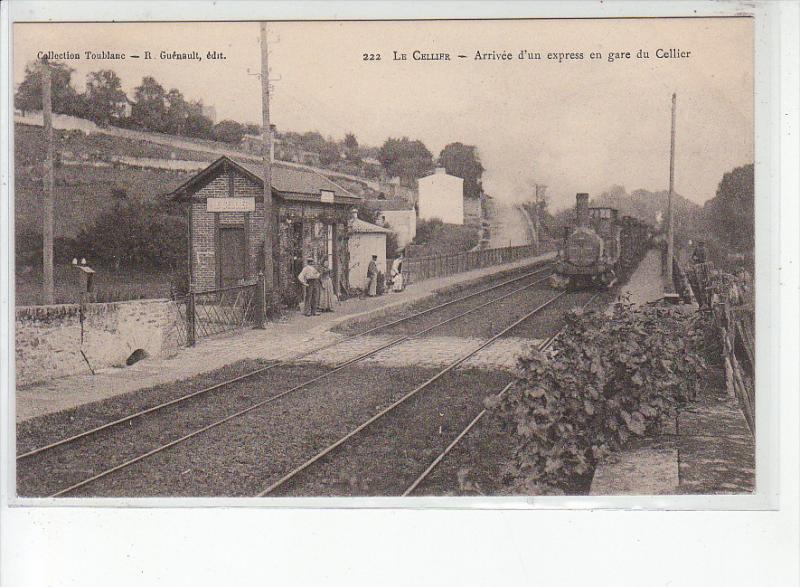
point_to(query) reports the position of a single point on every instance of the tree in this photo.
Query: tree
(405, 159)
(228, 131)
(29, 93)
(196, 123)
(177, 113)
(312, 141)
(329, 153)
(463, 161)
(351, 147)
(729, 215)
(150, 108)
(104, 96)
(252, 129)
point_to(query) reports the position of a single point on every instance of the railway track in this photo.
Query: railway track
(474, 422)
(85, 436)
(294, 358)
(285, 480)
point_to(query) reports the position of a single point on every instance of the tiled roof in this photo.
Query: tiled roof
(363, 226)
(288, 182)
(296, 181)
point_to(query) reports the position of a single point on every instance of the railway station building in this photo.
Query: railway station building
(225, 208)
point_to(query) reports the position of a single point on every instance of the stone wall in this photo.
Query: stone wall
(50, 339)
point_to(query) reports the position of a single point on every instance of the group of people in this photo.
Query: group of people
(396, 276)
(318, 291)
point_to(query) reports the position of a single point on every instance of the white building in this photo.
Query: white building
(398, 216)
(441, 196)
(366, 239)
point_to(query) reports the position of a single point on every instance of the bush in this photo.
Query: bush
(604, 380)
(427, 230)
(132, 233)
(437, 238)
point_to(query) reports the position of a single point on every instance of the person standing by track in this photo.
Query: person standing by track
(309, 279)
(327, 295)
(397, 274)
(372, 277)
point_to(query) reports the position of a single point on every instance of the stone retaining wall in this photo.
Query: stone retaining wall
(60, 340)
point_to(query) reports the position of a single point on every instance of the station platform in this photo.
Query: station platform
(647, 283)
(289, 336)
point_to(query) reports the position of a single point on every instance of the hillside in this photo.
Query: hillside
(92, 166)
(86, 176)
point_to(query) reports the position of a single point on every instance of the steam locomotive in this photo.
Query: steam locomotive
(601, 246)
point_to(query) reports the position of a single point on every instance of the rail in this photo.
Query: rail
(420, 268)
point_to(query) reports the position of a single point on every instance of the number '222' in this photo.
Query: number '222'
(371, 56)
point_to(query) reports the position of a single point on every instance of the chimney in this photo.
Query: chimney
(582, 210)
(354, 214)
(380, 220)
(440, 171)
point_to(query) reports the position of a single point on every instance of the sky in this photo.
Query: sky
(575, 125)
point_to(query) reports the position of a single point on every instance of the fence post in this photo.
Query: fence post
(190, 316)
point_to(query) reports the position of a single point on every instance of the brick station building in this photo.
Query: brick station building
(225, 207)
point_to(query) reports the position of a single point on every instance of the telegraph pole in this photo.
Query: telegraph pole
(49, 185)
(670, 209)
(266, 149)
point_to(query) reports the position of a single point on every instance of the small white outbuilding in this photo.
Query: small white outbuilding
(441, 196)
(366, 239)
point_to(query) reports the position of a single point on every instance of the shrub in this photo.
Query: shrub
(133, 233)
(607, 378)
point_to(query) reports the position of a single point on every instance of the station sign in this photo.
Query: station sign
(230, 204)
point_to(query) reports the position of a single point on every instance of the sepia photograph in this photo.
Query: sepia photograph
(384, 258)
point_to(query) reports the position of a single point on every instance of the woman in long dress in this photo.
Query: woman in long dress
(327, 295)
(397, 274)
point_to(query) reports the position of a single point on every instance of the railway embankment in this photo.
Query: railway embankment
(291, 335)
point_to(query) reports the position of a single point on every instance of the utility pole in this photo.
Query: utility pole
(670, 209)
(266, 149)
(537, 221)
(49, 185)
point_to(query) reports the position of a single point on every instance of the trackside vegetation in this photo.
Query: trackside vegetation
(606, 379)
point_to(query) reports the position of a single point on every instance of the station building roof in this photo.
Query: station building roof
(362, 226)
(288, 183)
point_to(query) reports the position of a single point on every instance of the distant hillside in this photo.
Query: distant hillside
(86, 180)
(92, 166)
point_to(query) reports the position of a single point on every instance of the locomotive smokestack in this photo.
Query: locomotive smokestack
(582, 210)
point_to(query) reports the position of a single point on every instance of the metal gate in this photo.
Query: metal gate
(216, 311)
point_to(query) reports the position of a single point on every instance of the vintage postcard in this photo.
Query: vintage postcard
(385, 259)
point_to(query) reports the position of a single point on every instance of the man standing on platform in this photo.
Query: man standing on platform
(309, 278)
(372, 277)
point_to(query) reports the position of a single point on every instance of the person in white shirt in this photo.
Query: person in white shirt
(309, 279)
(397, 274)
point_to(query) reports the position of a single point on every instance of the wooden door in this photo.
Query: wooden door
(232, 251)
